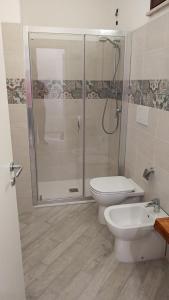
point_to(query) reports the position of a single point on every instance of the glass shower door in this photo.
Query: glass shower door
(57, 88)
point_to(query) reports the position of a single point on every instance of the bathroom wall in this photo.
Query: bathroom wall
(132, 13)
(10, 15)
(91, 14)
(77, 13)
(148, 146)
(14, 64)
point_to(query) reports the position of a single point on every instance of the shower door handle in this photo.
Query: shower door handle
(78, 123)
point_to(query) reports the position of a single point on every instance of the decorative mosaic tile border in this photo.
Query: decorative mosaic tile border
(16, 91)
(104, 89)
(68, 89)
(152, 93)
(73, 89)
(55, 89)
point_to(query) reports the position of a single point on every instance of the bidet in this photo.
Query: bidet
(133, 228)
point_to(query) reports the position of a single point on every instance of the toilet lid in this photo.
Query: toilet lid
(112, 184)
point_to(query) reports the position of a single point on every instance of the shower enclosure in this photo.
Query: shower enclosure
(74, 83)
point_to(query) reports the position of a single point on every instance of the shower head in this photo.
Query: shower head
(104, 39)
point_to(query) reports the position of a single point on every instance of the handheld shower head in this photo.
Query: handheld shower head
(104, 39)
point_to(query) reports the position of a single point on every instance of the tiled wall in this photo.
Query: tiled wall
(148, 146)
(59, 90)
(152, 93)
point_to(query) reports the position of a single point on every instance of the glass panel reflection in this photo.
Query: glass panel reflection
(57, 74)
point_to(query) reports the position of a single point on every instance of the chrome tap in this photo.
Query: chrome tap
(156, 204)
(147, 173)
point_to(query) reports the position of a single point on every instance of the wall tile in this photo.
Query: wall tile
(162, 154)
(155, 35)
(145, 150)
(162, 131)
(152, 93)
(155, 64)
(13, 46)
(149, 86)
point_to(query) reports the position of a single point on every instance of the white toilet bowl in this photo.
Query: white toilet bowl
(133, 228)
(113, 190)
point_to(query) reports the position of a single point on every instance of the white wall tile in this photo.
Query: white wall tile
(145, 150)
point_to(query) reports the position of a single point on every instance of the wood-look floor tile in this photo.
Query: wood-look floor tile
(68, 255)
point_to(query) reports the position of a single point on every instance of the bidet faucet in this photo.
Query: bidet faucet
(155, 203)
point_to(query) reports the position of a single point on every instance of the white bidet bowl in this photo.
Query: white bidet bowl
(133, 228)
(113, 190)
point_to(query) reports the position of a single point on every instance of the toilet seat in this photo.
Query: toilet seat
(111, 185)
(107, 193)
(107, 196)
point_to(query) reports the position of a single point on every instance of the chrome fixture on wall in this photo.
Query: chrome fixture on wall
(155, 203)
(147, 173)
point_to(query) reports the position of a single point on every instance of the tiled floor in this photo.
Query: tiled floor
(67, 255)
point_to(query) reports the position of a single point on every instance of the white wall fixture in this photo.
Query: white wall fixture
(142, 115)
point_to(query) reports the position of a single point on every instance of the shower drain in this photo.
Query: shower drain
(73, 190)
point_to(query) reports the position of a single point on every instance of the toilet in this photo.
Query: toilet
(113, 190)
(132, 226)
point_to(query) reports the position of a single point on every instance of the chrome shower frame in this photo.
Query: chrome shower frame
(27, 30)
